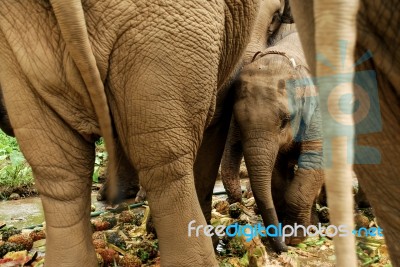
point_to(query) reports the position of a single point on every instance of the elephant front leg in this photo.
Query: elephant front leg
(62, 163)
(230, 164)
(303, 190)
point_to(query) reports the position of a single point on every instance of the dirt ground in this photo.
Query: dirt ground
(126, 237)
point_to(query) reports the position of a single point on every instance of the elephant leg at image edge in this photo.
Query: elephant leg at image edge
(381, 181)
(5, 124)
(319, 35)
(62, 162)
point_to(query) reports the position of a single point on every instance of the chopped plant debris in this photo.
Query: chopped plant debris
(128, 239)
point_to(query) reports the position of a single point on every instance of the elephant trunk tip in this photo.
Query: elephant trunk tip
(276, 241)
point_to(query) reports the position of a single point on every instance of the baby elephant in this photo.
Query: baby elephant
(277, 127)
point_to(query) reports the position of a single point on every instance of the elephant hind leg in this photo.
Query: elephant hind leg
(162, 147)
(170, 191)
(62, 162)
(303, 190)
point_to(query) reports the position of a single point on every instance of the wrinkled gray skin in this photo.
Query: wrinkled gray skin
(377, 27)
(265, 26)
(277, 126)
(164, 70)
(125, 171)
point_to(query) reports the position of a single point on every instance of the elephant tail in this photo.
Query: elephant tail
(71, 20)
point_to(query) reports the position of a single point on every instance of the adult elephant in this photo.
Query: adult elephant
(362, 25)
(163, 65)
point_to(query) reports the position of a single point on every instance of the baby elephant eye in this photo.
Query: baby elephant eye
(285, 119)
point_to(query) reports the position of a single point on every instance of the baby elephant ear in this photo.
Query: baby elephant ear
(310, 102)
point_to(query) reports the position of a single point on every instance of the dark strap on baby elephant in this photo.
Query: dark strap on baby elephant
(260, 54)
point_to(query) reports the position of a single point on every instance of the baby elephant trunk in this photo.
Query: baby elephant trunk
(260, 149)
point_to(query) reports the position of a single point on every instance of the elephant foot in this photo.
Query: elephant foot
(101, 194)
(292, 240)
(232, 186)
(314, 217)
(68, 233)
(79, 254)
(294, 236)
(297, 233)
(141, 195)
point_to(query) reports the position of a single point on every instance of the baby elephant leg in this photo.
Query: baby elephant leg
(303, 190)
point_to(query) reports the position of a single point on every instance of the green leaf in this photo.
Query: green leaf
(244, 261)
(95, 176)
(301, 245)
(16, 158)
